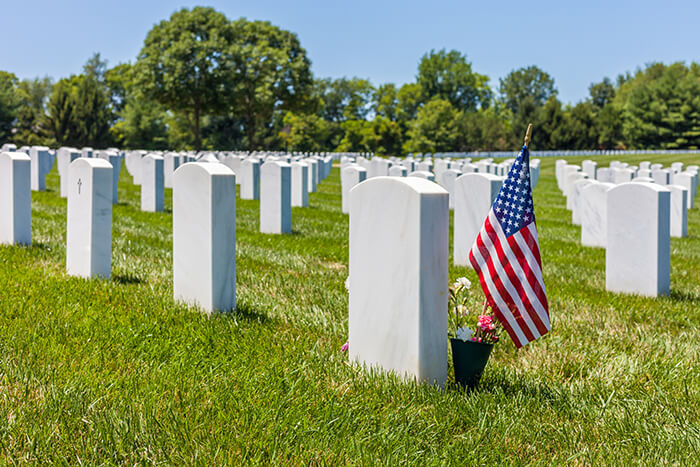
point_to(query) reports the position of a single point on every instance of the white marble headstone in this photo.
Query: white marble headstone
(41, 165)
(474, 194)
(637, 258)
(89, 218)
(349, 177)
(152, 186)
(15, 198)
(398, 277)
(275, 197)
(422, 174)
(250, 178)
(593, 207)
(300, 184)
(679, 210)
(204, 236)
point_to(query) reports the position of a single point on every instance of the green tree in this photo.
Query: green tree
(386, 101)
(271, 73)
(9, 104)
(528, 83)
(449, 76)
(78, 113)
(484, 130)
(436, 128)
(602, 93)
(345, 99)
(33, 95)
(185, 64)
(305, 132)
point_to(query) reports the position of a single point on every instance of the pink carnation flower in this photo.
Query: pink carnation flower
(345, 346)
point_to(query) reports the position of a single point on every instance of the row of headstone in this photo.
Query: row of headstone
(632, 211)
(444, 172)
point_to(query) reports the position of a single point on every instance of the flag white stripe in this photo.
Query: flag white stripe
(533, 231)
(515, 264)
(531, 260)
(505, 279)
(493, 290)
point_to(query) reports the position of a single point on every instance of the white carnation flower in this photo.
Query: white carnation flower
(464, 282)
(464, 334)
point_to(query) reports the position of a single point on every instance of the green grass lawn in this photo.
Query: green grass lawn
(116, 372)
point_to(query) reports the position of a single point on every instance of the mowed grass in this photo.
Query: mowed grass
(116, 372)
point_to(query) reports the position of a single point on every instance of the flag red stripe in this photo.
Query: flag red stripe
(484, 277)
(517, 293)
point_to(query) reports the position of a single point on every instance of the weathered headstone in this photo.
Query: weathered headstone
(398, 277)
(89, 218)
(15, 198)
(637, 258)
(275, 197)
(204, 236)
(152, 188)
(474, 194)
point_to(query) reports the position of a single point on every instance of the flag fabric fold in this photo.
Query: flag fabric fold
(506, 256)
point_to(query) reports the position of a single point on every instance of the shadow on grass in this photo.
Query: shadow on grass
(682, 296)
(126, 279)
(249, 313)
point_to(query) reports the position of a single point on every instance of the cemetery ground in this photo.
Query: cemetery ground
(94, 371)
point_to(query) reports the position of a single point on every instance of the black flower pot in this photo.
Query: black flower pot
(469, 359)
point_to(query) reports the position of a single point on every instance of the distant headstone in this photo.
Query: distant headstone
(313, 173)
(300, 184)
(171, 161)
(576, 189)
(41, 165)
(679, 210)
(685, 180)
(474, 194)
(275, 198)
(447, 181)
(89, 218)
(637, 258)
(422, 174)
(349, 177)
(661, 176)
(204, 236)
(152, 186)
(622, 175)
(398, 262)
(589, 168)
(593, 207)
(250, 178)
(398, 171)
(15, 198)
(64, 158)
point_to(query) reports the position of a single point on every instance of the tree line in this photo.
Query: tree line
(202, 81)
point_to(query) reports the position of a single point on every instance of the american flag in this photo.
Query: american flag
(506, 255)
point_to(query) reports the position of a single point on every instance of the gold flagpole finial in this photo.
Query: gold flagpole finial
(528, 134)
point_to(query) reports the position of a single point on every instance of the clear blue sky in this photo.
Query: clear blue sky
(576, 42)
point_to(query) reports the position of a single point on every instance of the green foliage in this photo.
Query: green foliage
(78, 113)
(661, 107)
(525, 88)
(386, 101)
(305, 132)
(270, 72)
(449, 76)
(185, 64)
(435, 129)
(33, 95)
(9, 104)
